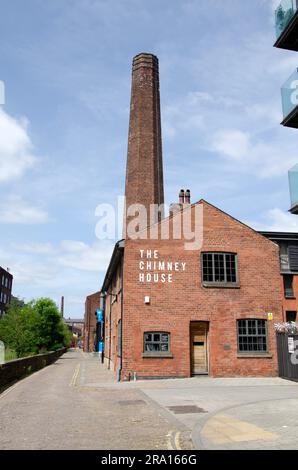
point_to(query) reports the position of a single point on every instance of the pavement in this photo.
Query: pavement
(76, 403)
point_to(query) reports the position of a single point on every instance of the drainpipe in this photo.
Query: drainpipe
(102, 304)
(110, 332)
(121, 321)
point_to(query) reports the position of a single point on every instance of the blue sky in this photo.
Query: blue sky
(66, 65)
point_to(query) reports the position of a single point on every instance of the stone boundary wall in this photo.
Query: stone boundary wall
(19, 368)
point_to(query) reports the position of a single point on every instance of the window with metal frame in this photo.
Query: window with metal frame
(156, 342)
(252, 336)
(219, 268)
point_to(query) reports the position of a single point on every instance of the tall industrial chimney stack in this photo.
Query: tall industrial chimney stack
(144, 170)
(62, 306)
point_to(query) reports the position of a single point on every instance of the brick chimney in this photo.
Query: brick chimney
(187, 196)
(144, 170)
(184, 200)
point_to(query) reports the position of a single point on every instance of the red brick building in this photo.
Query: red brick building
(172, 311)
(91, 305)
(6, 279)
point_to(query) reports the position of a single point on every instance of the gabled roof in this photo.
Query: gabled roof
(119, 246)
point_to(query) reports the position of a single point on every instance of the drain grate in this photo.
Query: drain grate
(184, 409)
(131, 402)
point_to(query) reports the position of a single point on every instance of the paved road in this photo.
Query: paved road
(55, 409)
(76, 404)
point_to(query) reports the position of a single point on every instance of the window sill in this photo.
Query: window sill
(218, 285)
(290, 297)
(157, 355)
(253, 356)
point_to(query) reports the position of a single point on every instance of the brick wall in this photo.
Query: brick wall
(112, 318)
(91, 305)
(19, 368)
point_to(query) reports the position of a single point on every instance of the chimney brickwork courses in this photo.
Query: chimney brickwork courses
(144, 171)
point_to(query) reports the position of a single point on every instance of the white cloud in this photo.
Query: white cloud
(14, 210)
(35, 248)
(276, 220)
(48, 270)
(185, 114)
(233, 143)
(83, 257)
(250, 153)
(73, 246)
(16, 150)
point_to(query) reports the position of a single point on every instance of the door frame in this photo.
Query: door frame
(207, 326)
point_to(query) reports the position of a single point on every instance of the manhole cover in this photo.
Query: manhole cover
(131, 402)
(184, 409)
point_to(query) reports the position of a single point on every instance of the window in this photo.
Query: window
(219, 268)
(291, 316)
(284, 257)
(252, 336)
(293, 257)
(156, 342)
(288, 286)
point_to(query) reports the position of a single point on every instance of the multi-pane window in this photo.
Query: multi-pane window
(156, 342)
(219, 268)
(252, 336)
(284, 257)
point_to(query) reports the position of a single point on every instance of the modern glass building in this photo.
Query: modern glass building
(293, 184)
(286, 28)
(289, 94)
(286, 25)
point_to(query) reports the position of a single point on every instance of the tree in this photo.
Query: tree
(33, 328)
(51, 333)
(15, 331)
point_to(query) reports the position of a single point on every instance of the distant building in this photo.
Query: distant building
(91, 305)
(288, 249)
(5, 289)
(75, 325)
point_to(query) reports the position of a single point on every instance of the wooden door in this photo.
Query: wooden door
(199, 348)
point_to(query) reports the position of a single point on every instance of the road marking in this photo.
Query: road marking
(174, 440)
(177, 441)
(169, 444)
(75, 376)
